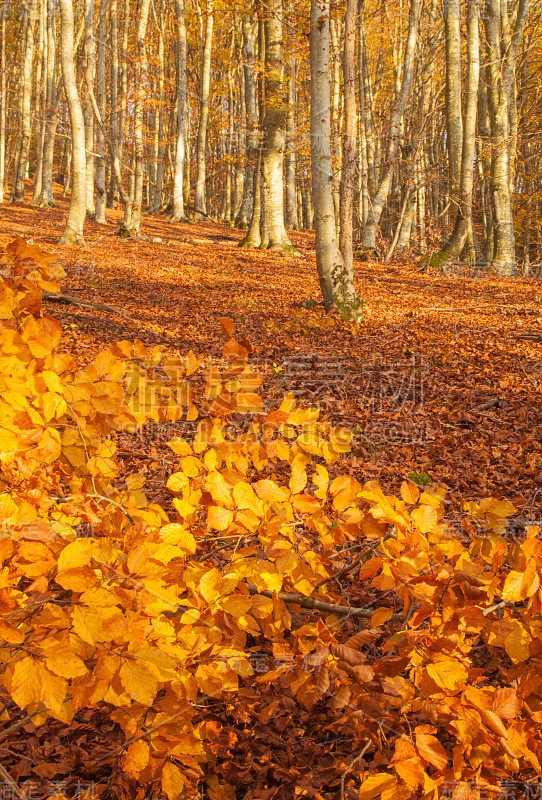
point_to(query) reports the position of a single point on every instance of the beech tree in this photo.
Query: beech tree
(335, 276)
(73, 232)
(220, 131)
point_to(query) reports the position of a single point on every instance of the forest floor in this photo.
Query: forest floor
(434, 385)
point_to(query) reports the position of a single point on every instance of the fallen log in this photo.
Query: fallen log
(55, 297)
(533, 337)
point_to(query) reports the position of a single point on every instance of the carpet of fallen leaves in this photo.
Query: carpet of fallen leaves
(435, 386)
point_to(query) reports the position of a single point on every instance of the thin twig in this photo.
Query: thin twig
(349, 767)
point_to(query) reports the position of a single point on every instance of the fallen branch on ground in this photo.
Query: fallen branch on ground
(319, 605)
(66, 298)
(533, 337)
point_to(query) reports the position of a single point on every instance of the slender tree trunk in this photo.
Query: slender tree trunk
(141, 70)
(25, 102)
(40, 97)
(392, 155)
(274, 236)
(181, 151)
(45, 197)
(90, 63)
(463, 221)
(500, 74)
(454, 120)
(291, 219)
(201, 149)
(73, 232)
(336, 280)
(3, 106)
(349, 176)
(114, 94)
(101, 197)
(252, 151)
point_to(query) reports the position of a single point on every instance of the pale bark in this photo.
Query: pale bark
(3, 107)
(251, 107)
(291, 218)
(155, 192)
(45, 197)
(182, 100)
(114, 93)
(336, 280)
(101, 197)
(40, 96)
(132, 221)
(25, 102)
(73, 232)
(273, 232)
(349, 176)
(500, 74)
(201, 147)
(392, 154)
(90, 62)
(454, 117)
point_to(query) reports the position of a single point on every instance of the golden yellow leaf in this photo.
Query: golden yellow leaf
(245, 498)
(180, 446)
(64, 662)
(425, 518)
(374, 785)
(87, 624)
(219, 518)
(380, 616)
(178, 482)
(173, 781)
(138, 681)
(517, 643)
(136, 757)
(298, 481)
(449, 674)
(410, 492)
(191, 466)
(26, 681)
(76, 554)
(520, 585)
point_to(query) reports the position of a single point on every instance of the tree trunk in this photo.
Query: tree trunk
(201, 147)
(3, 107)
(463, 221)
(90, 68)
(500, 66)
(273, 232)
(101, 197)
(291, 218)
(376, 207)
(45, 197)
(114, 94)
(73, 232)
(349, 176)
(336, 280)
(252, 151)
(180, 154)
(40, 97)
(25, 102)
(132, 225)
(454, 120)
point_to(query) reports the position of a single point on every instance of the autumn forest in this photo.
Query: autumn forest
(270, 400)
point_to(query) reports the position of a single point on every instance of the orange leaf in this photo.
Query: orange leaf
(431, 750)
(227, 326)
(173, 781)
